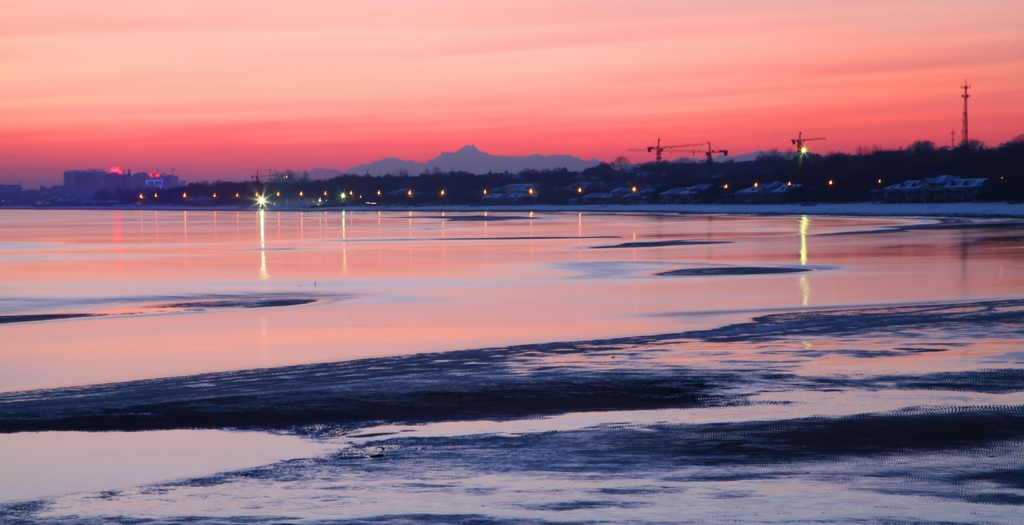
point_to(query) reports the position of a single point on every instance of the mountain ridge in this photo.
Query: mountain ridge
(471, 160)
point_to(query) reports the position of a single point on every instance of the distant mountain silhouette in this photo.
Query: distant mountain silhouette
(324, 173)
(472, 160)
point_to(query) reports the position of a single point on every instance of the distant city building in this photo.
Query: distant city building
(154, 180)
(11, 194)
(83, 180)
(89, 181)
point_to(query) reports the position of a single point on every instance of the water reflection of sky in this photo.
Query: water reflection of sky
(39, 464)
(399, 282)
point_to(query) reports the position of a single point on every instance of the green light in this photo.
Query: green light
(342, 195)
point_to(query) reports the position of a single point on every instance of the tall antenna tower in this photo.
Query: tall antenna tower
(963, 131)
(952, 139)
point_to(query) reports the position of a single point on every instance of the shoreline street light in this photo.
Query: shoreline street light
(410, 193)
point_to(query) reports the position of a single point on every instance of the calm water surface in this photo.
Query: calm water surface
(388, 283)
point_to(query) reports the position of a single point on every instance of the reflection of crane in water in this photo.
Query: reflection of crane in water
(799, 142)
(657, 148)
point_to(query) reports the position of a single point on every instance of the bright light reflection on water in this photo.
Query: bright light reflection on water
(390, 283)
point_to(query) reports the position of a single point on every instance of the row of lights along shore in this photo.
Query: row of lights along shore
(262, 200)
(342, 195)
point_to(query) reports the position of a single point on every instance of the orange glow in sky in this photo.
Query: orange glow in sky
(218, 89)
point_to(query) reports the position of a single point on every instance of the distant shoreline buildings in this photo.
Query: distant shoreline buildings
(921, 172)
(92, 180)
(90, 187)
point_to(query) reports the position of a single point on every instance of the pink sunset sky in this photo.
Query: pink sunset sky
(219, 89)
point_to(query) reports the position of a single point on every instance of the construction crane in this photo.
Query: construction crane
(799, 142)
(711, 152)
(657, 148)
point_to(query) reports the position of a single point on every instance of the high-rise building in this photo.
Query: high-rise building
(86, 181)
(153, 180)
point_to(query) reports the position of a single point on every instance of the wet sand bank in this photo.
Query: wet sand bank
(813, 446)
(526, 381)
